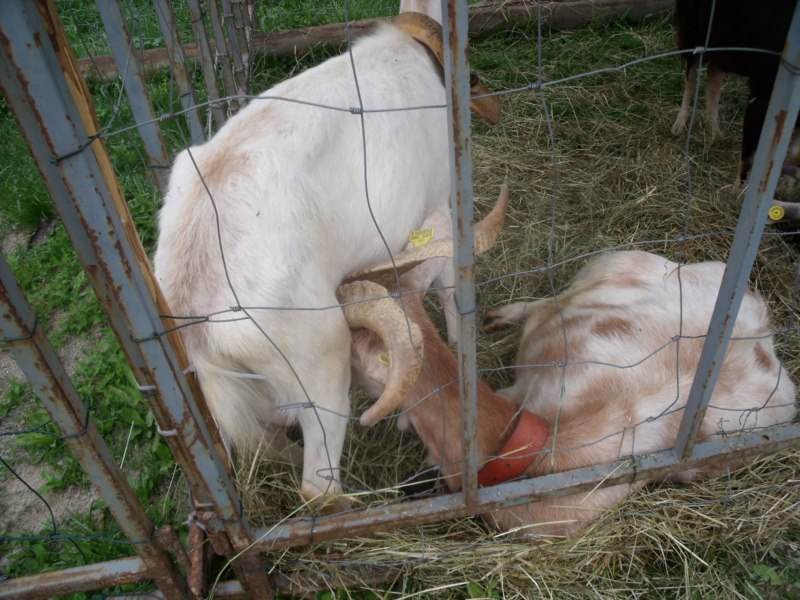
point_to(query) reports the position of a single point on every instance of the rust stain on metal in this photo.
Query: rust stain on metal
(79, 579)
(245, 561)
(197, 558)
(125, 264)
(780, 125)
(167, 537)
(24, 84)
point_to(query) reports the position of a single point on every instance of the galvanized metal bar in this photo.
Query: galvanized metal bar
(223, 53)
(301, 531)
(53, 108)
(75, 580)
(135, 84)
(457, 78)
(206, 62)
(41, 365)
(180, 69)
(772, 145)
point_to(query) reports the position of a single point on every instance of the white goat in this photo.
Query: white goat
(621, 393)
(273, 212)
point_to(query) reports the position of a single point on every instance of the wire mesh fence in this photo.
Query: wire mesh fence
(585, 148)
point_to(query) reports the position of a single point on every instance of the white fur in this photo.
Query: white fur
(287, 181)
(658, 301)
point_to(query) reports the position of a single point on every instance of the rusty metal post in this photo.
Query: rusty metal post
(38, 360)
(133, 80)
(197, 571)
(180, 69)
(457, 77)
(772, 146)
(53, 108)
(77, 579)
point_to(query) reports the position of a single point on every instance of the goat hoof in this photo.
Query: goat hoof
(325, 504)
(503, 316)
(493, 322)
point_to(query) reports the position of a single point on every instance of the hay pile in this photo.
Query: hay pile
(616, 179)
(721, 538)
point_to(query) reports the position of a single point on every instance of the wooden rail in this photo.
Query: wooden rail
(483, 19)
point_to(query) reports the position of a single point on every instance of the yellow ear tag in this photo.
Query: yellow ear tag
(384, 358)
(421, 237)
(776, 212)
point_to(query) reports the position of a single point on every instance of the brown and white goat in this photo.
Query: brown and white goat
(603, 372)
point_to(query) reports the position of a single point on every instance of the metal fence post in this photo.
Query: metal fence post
(51, 103)
(772, 145)
(133, 79)
(36, 357)
(457, 77)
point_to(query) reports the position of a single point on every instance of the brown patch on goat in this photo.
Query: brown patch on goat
(216, 171)
(552, 345)
(613, 327)
(763, 358)
(628, 280)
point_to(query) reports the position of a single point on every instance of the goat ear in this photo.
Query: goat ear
(486, 233)
(421, 277)
(425, 26)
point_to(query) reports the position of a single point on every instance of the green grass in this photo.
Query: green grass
(23, 198)
(588, 113)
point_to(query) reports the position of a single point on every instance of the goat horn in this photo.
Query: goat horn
(486, 232)
(367, 304)
(429, 33)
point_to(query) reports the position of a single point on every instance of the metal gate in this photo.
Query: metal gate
(52, 104)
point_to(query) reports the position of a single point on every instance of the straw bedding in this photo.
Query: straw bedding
(615, 178)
